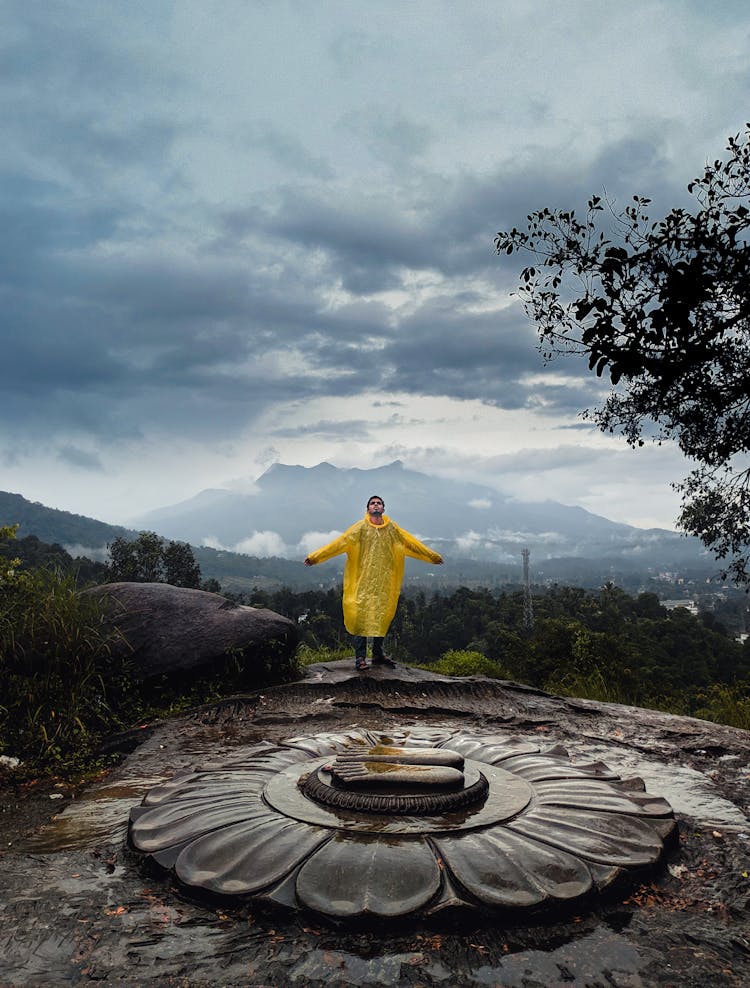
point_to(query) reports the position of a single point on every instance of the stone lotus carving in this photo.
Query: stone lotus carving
(546, 831)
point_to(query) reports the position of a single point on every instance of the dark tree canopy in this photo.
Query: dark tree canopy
(151, 559)
(663, 307)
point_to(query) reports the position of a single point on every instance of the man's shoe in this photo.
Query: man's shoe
(383, 660)
(360, 664)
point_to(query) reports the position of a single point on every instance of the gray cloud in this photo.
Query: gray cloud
(389, 135)
(192, 236)
(352, 428)
(285, 149)
(156, 330)
(80, 458)
(169, 334)
(451, 226)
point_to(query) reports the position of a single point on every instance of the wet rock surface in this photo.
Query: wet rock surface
(76, 905)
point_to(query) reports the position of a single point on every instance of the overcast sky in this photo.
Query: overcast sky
(241, 232)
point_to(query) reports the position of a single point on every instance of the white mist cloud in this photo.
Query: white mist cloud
(263, 544)
(270, 543)
(98, 553)
(469, 540)
(211, 542)
(315, 540)
(507, 535)
(256, 544)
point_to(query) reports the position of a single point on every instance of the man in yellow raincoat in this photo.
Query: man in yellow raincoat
(375, 549)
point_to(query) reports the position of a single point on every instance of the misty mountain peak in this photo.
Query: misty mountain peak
(456, 516)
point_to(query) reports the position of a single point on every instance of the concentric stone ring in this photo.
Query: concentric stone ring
(546, 831)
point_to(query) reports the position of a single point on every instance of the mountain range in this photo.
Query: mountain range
(259, 536)
(291, 506)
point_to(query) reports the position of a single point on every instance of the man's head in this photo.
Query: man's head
(375, 505)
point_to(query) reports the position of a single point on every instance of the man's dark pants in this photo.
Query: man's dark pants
(360, 647)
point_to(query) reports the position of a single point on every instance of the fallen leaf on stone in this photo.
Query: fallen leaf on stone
(434, 942)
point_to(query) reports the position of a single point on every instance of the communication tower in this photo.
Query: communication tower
(528, 607)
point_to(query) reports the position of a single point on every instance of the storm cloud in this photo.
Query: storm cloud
(232, 225)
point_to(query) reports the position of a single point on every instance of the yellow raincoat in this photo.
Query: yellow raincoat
(373, 572)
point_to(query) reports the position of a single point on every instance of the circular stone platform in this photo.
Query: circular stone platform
(535, 830)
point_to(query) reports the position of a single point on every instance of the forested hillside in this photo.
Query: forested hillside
(33, 554)
(604, 644)
(52, 525)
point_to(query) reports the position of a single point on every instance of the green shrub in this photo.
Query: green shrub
(725, 705)
(307, 655)
(275, 662)
(600, 686)
(62, 691)
(592, 685)
(460, 662)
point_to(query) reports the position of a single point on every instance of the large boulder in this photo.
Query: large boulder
(171, 630)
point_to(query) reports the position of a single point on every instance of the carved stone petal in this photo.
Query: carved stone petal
(259, 758)
(608, 838)
(586, 794)
(276, 761)
(464, 745)
(166, 790)
(194, 783)
(536, 768)
(496, 754)
(650, 805)
(242, 757)
(351, 741)
(483, 750)
(358, 877)
(248, 856)
(182, 819)
(421, 737)
(318, 745)
(507, 870)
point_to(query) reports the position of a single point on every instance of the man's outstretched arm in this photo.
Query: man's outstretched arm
(334, 548)
(418, 550)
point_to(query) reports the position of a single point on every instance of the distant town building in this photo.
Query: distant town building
(689, 605)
